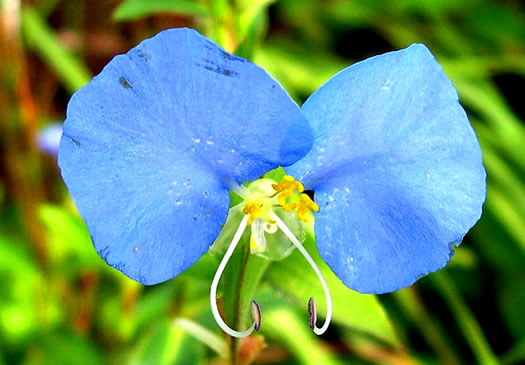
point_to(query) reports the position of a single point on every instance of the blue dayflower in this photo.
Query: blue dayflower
(153, 144)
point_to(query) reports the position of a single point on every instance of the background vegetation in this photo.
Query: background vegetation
(61, 304)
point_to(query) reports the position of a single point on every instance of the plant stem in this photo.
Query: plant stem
(238, 310)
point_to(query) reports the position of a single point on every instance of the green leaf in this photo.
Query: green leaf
(505, 257)
(362, 312)
(39, 35)
(296, 67)
(155, 303)
(287, 327)
(464, 317)
(46, 7)
(69, 241)
(429, 327)
(499, 170)
(512, 301)
(488, 102)
(135, 9)
(204, 268)
(166, 344)
(509, 22)
(20, 280)
(507, 214)
(477, 67)
(516, 355)
(204, 335)
(65, 349)
(250, 25)
(434, 7)
(15, 258)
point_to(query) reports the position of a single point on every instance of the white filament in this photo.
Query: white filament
(217, 277)
(295, 241)
(240, 190)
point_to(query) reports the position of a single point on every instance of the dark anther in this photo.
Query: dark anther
(255, 312)
(312, 313)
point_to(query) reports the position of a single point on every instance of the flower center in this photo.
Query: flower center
(276, 214)
(264, 197)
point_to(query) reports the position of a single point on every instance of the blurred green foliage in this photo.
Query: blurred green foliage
(61, 304)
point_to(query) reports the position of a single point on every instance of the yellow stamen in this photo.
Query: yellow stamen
(305, 205)
(286, 189)
(253, 209)
(288, 183)
(281, 199)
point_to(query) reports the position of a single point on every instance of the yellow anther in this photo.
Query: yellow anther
(281, 199)
(288, 183)
(286, 189)
(253, 209)
(305, 205)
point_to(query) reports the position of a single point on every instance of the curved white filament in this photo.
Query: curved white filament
(215, 283)
(295, 241)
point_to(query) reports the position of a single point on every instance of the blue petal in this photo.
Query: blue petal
(396, 169)
(150, 144)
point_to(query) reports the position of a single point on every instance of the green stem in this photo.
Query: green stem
(238, 318)
(250, 274)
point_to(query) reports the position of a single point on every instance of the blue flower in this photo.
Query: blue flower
(152, 146)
